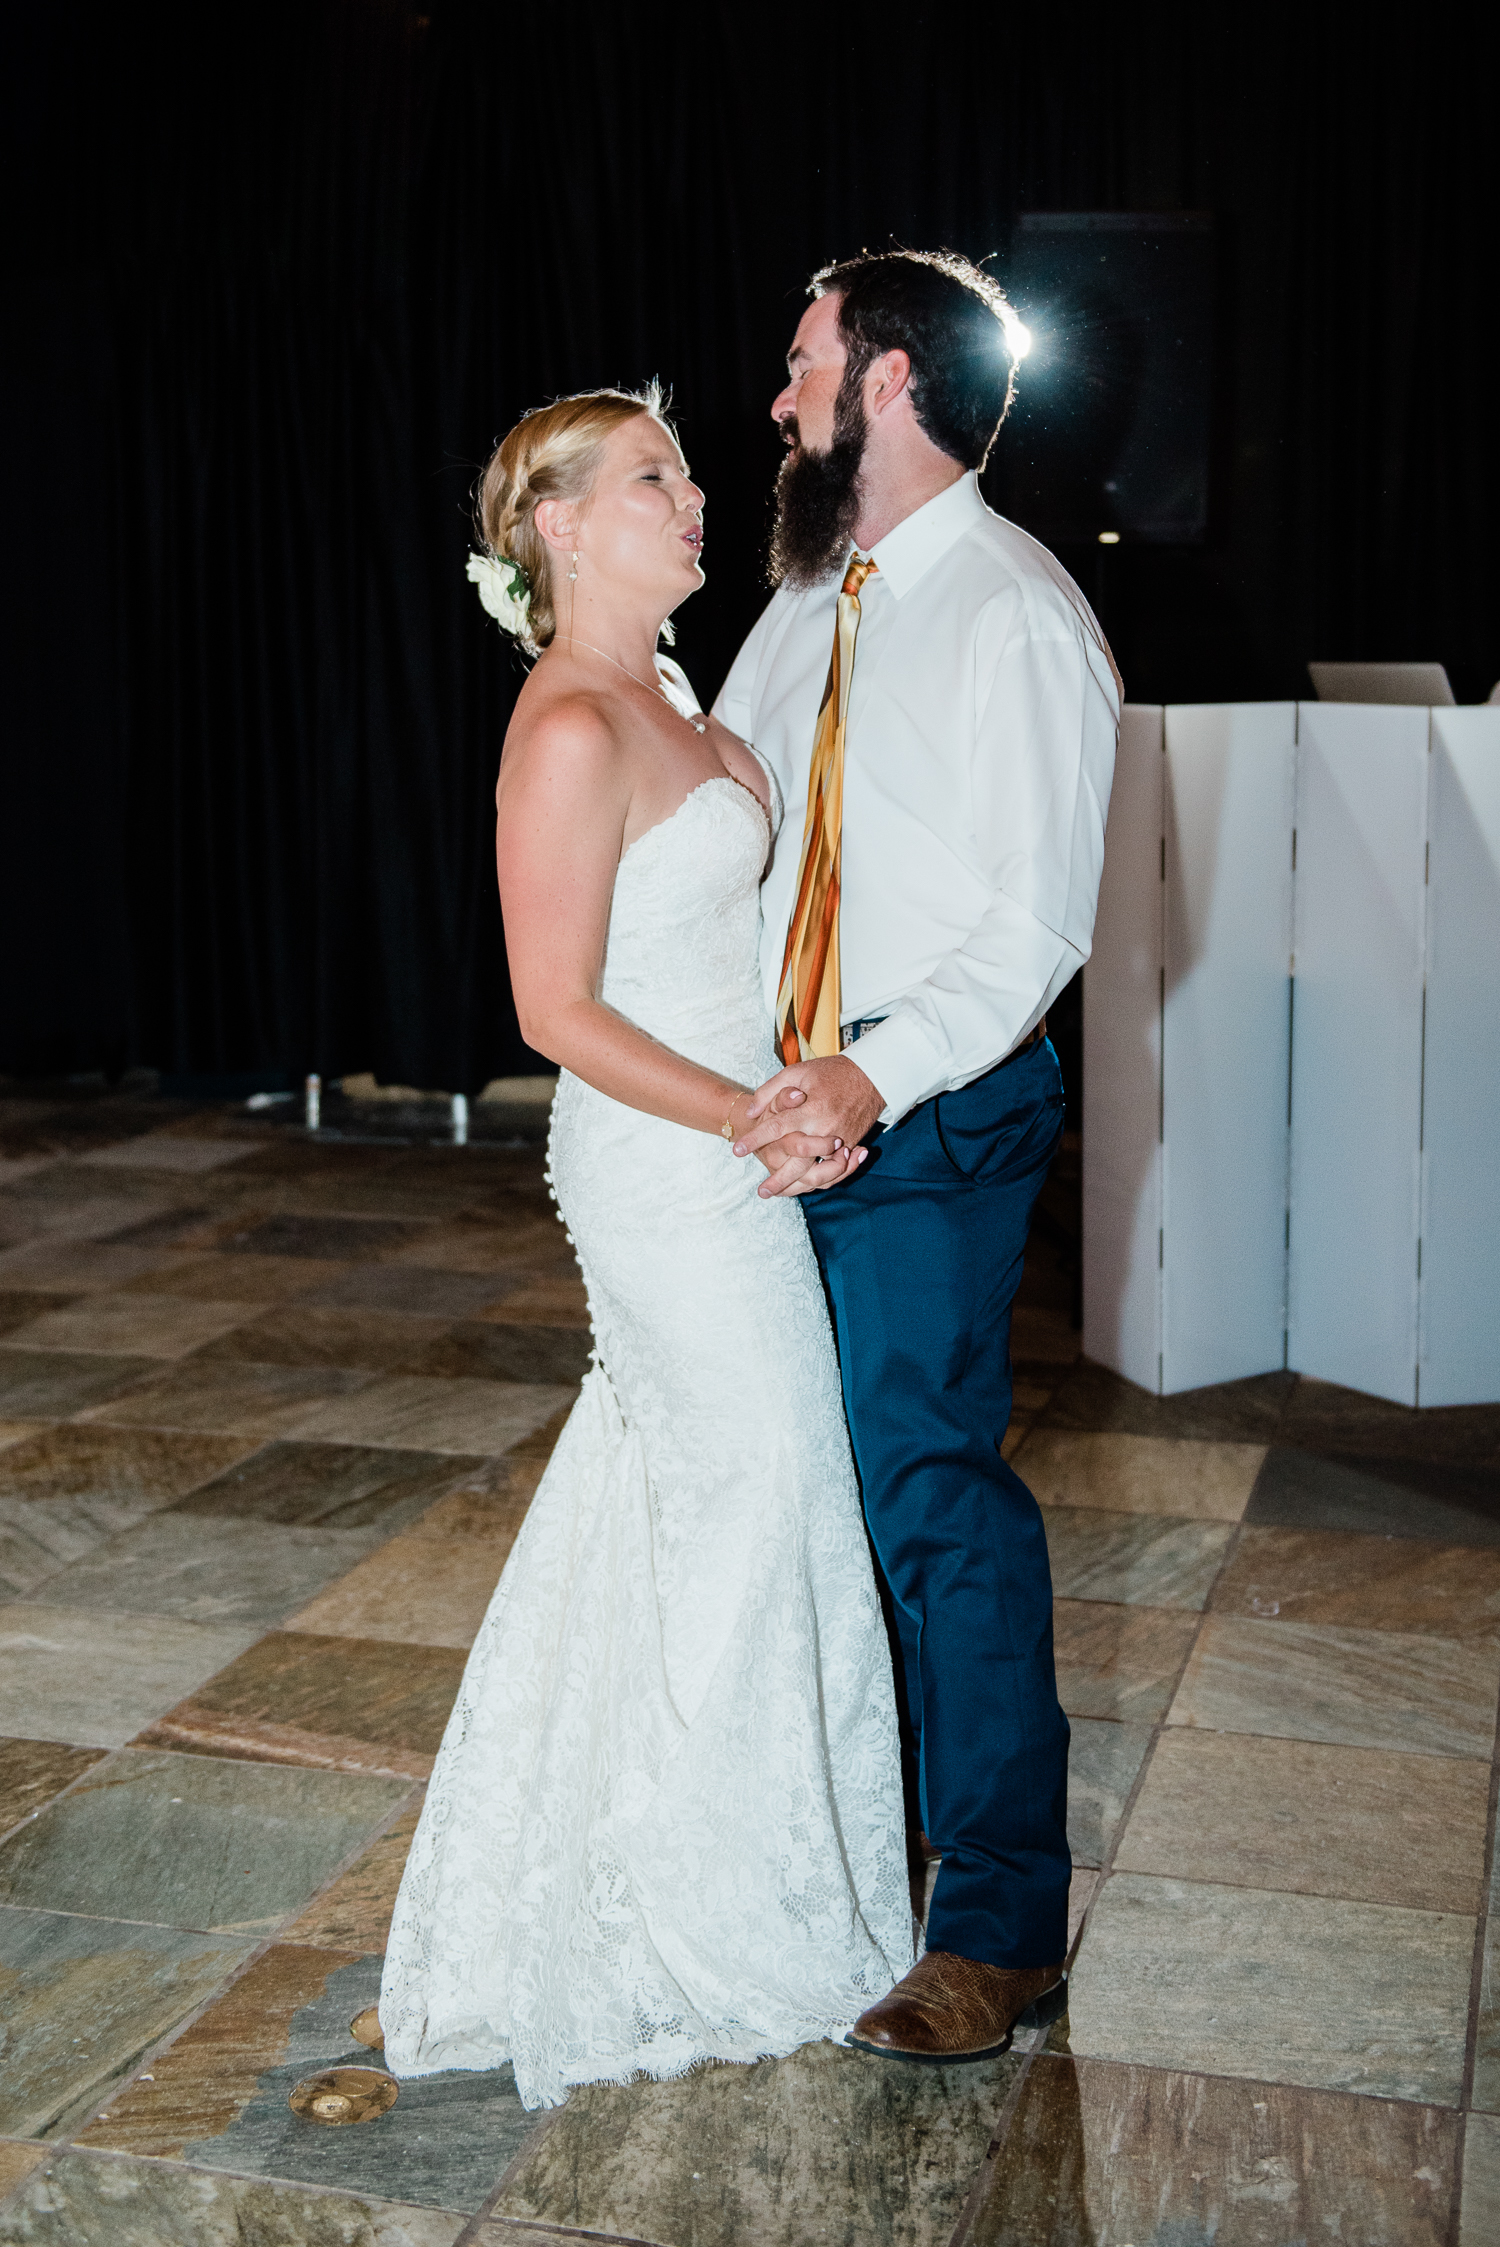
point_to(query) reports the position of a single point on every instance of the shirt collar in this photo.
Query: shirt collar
(907, 553)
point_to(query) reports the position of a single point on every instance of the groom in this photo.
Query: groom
(941, 711)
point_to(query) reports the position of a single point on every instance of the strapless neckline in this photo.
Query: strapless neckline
(718, 780)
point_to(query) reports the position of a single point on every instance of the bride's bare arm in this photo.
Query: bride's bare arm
(563, 797)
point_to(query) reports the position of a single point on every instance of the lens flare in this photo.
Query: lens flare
(1017, 336)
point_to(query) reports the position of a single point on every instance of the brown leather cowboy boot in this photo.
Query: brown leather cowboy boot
(950, 2009)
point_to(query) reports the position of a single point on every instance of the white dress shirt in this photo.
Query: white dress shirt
(979, 753)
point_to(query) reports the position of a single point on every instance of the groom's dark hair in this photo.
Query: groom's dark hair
(954, 324)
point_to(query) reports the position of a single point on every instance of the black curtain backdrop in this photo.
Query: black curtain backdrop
(280, 276)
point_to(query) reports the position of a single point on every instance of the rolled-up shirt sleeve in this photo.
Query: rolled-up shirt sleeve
(1047, 704)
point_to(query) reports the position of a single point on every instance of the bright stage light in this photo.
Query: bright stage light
(1017, 337)
(1109, 538)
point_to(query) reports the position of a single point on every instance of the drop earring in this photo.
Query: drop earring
(573, 572)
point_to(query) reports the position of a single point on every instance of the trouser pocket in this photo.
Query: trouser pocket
(1005, 1121)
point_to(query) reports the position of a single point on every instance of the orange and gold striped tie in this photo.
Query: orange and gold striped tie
(809, 1000)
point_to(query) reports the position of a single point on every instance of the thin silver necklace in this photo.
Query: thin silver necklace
(699, 725)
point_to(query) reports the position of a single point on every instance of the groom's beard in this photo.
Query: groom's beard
(817, 500)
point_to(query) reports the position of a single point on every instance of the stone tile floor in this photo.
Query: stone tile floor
(271, 1411)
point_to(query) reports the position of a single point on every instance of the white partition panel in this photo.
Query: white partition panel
(1122, 990)
(1357, 1046)
(1351, 1230)
(1229, 804)
(1460, 1295)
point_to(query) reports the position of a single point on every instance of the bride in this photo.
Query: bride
(665, 1824)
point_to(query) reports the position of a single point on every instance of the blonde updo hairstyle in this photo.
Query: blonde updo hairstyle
(553, 452)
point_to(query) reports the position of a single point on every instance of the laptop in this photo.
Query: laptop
(1424, 685)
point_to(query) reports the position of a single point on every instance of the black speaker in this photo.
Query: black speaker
(1109, 437)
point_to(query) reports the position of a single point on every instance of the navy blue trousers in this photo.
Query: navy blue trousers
(921, 1254)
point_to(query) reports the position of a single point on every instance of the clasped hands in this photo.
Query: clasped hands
(833, 1106)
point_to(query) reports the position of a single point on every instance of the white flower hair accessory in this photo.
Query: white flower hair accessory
(504, 590)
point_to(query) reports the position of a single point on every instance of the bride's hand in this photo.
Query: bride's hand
(795, 1172)
(797, 1149)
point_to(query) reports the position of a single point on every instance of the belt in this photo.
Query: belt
(852, 1032)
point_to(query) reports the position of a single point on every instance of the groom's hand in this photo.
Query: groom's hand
(837, 1101)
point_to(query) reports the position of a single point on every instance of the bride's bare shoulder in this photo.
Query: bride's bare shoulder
(559, 737)
(560, 800)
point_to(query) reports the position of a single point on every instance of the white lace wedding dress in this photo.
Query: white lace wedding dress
(665, 1823)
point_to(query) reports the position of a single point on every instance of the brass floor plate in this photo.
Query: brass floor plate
(341, 2095)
